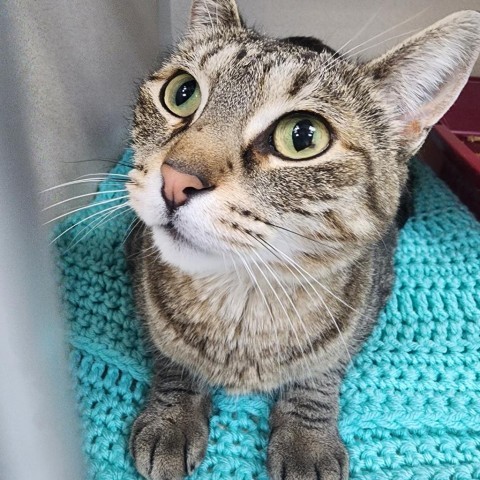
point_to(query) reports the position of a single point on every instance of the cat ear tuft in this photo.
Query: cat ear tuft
(422, 77)
(214, 14)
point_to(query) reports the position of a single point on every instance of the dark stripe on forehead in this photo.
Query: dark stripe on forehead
(212, 49)
(207, 55)
(241, 54)
(154, 77)
(298, 82)
(267, 66)
(311, 43)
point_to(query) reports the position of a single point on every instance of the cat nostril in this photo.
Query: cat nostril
(191, 191)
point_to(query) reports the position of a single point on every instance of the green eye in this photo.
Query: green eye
(181, 96)
(300, 136)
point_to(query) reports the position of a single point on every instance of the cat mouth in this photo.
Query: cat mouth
(176, 235)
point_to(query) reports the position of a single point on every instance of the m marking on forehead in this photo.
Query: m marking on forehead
(241, 54)
(298, 83)
(220, 55)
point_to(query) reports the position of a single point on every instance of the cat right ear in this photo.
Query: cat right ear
(419, 80)
(214, 14)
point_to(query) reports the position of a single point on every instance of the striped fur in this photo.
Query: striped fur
(272, 280)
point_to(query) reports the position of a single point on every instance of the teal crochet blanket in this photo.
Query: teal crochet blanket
(410, 403)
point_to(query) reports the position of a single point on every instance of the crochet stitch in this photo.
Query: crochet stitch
(410, 403)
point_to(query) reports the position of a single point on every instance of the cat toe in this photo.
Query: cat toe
(164, 449)
(305, 455)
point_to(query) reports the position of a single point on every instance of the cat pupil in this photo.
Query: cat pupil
(302, 135)
(185, 91)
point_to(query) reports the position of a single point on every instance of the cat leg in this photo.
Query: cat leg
(169, 438)
(304, 440)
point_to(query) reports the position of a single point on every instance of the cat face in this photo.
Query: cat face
(247, 146)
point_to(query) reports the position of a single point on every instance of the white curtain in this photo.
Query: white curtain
(67, 80)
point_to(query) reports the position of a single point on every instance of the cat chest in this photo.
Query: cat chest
(247, 341)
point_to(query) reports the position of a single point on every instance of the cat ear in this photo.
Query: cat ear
(214, 14)
(422, 77)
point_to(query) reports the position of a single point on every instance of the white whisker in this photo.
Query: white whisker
(409, 32)
(316, 281)
(264, 299)
(280, 303)
(82, 196)
(96, 223)
(297, 267)
(106, 175)
(85, 207)
(286, 294)
(81, 181)
(375, 37)
(372, 18)
(235, 267)
(85, 219)
(380, 43)
(130, 229)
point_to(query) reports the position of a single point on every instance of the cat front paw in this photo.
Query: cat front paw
(299, 453)
(170, 442)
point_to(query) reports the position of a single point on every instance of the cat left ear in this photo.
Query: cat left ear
(214, 14)
(422, 77)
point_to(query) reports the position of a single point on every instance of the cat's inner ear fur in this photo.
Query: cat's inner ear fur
(422, 77)
(214, 14)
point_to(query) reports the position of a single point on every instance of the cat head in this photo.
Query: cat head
(251, 148)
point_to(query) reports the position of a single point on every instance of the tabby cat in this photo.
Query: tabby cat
(269, 176)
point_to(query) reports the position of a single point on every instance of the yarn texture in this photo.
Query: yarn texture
(410, 403)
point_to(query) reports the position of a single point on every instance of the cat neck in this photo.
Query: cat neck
(253, 270)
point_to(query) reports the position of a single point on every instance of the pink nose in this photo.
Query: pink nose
(178, 187)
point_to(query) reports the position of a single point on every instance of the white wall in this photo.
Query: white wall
(336, 21)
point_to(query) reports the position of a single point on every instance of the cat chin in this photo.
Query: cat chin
(186, 257)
